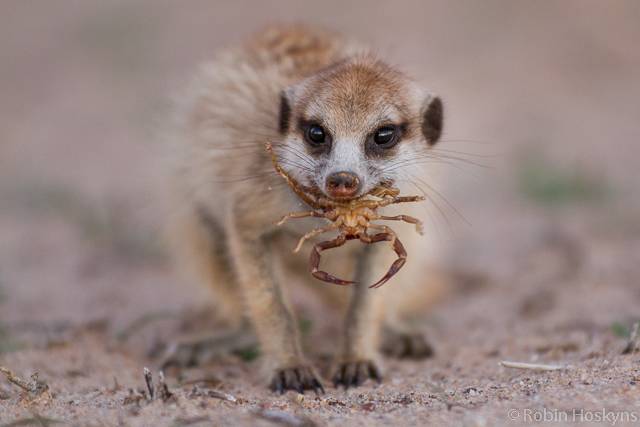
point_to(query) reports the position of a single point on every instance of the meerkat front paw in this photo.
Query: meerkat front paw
(298, 378)
(355, 373)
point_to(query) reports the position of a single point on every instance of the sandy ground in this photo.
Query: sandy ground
(547, 95)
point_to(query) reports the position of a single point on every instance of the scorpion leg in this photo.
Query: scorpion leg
(385, 230)
(314, 260)
(397, 247)
(312, 234)
(405, 218)
(299, 215)
(364, 237)
(386, 201)
(382, 191)
(407, 199)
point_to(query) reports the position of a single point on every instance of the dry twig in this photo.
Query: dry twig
(210, 380)
(34, 386)
(220, 395)
(134, 397)
(532, 366)
(634, 340)
(148, 379)
(158, 391)
(197, 392)
(162, 391)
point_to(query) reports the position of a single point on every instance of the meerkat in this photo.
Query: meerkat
(341, 121)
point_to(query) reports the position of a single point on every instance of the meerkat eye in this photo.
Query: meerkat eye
(316, 134)
(385, 137)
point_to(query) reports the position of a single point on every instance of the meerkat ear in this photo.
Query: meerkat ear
(284, 118)
(288, 98)
(432, 118)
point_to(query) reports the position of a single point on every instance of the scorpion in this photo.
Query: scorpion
(352, 219)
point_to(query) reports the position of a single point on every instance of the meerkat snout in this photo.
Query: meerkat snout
(342, 185)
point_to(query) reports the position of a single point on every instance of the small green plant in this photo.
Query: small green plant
(7, 343)
(105, 225)
(620, 330)
(548, 184)
(248, 354)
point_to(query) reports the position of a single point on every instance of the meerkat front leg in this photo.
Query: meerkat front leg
(359, 357)
(268, 310)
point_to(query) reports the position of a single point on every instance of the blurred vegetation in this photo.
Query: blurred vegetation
(248, 354)
(7, 343)
(550, 185)
(621, 330)
(107, 226)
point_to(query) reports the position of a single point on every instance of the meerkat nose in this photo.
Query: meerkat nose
(342, 184)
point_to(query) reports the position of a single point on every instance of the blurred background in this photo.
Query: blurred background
(547, 95)
(544, 96)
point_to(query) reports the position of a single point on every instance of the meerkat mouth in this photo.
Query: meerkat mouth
(316, 191)
(382, 185)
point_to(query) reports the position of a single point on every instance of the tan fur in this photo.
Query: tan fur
(226, 196)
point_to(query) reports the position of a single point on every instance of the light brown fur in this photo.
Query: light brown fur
(226, 198)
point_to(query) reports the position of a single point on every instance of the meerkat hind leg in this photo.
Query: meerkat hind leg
(201, 245)
(201, 349)
(199, 242)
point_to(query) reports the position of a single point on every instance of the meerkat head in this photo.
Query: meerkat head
(351, 127)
